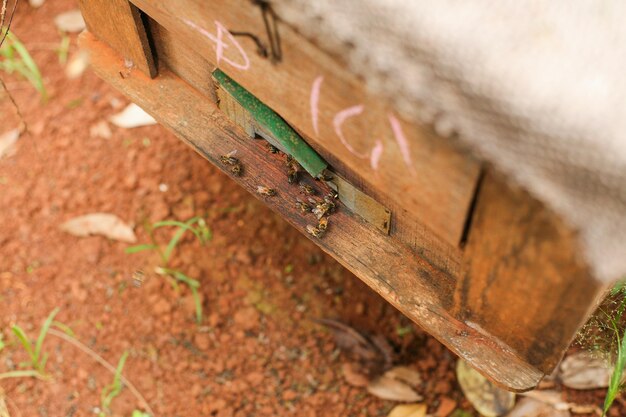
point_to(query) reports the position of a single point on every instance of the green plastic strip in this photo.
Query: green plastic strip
(273, 124)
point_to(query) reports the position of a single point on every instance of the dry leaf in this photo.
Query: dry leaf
(77, 65)
(529, 407)
(71, 21)
(488, 399)
(552, 398)
(408, 410)
(103, 224)
(583, 370)
(100, 130)
(4, 410)
(388, 388)
(7, 142)
(353, 375)
(132, 116)
(404, 374)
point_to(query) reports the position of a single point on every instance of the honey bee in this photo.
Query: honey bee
(323, 224)
(312, 230)
(292, 174)
(229, 159)
(326, 175)
(138, 278)
(272, 148)
(292, 169)
(307, 189)
(266, 191)
(235, 165)
(328, 200)
(303, 207)
(321, 209)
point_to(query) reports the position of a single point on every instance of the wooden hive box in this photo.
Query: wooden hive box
(477, 263)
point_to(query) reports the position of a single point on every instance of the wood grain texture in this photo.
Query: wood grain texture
(526, 282)
(119, 24)
(408, 281)
(184, 32)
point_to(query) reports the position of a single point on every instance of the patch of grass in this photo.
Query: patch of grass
(37, 357)
(138, 413)
(16, 58)
(113, 390)
(605, 335)
(198, 227)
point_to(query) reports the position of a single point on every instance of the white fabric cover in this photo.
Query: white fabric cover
(536, 87)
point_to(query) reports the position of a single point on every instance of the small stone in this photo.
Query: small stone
(202, 341)
(247, 318)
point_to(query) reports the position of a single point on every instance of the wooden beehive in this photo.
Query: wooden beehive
(476, 262)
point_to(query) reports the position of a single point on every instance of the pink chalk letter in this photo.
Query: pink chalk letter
(315, 100)
(338, 121)
(220, 45)
(377, 152)
(396, 127)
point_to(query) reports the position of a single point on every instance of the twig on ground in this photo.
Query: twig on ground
(105, 364)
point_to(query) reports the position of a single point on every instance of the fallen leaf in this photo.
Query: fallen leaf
(4, 410)
(404, 374)
(7, 142)
(36, 3)
(100, 130)
(582, 370)
(388, 388)
(71, 21)
(552, 398)
(374, 353)
(486, 398)
(353, 375)
(132, 116)
(103, 224)
(529, 407)
(446, 406)
(408, 410)
(555, 400)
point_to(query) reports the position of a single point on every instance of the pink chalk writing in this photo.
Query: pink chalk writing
(221, 45)
(339, 120)
(396, 127)
(375, 155)
(315, 99)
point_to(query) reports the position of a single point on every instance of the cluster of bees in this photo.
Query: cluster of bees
(321, 209)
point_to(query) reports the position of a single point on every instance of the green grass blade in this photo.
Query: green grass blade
(198, 303)
(110, 392)
(2, 344)
(32, 73)
(21, 336)
(172, 245)
(192, 283)
(44, 331)
(64, 328)
(29, 373)
(140, 248)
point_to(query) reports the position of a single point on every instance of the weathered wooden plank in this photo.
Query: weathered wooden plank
(526, 282)
(356, 131)
(119, 24)
(408, 281)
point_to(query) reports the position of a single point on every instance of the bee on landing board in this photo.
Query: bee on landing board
(235, 165)
(303, 207)
(314, 231)
(307, 189)
(266, 191)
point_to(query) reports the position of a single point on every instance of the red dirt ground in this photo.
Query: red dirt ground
(258, 353)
